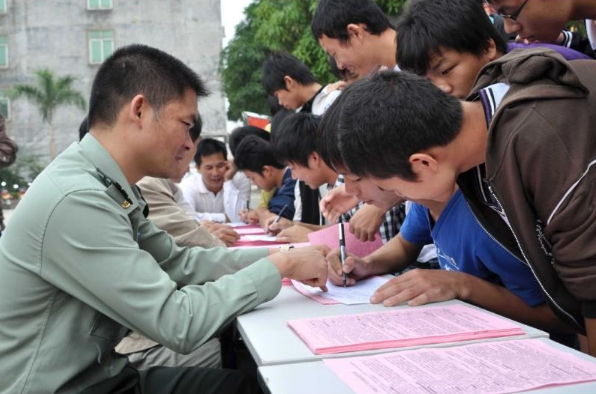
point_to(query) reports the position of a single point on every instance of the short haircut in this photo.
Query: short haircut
(139, 69)
(254, 153)
(208, 147)
(428, 27)
(83, 128)
(273, 104)
(277, 120)
(332, 18)
(296, 138)
(239, 133)
(327, 134)
(281, 64)
(389, 116)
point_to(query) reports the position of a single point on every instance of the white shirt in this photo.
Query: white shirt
(216, 207)
(323, 101)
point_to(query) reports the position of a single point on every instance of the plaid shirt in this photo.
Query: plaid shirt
(393, 218)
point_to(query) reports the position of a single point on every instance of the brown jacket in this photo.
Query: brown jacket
(540, 168)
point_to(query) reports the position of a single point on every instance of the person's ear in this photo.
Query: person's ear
(491, 50)
(314, 161)
(290, 82)
(356, 30)
(138, 107)
(423, 164)
(266, 173)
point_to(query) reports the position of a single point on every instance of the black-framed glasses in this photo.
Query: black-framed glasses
(514, 15)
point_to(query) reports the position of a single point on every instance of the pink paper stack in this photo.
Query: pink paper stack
(400, 328)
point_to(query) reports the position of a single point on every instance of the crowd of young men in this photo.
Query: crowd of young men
(491, 143)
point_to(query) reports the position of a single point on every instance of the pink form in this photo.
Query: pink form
(489, 367)
(330, 236)
(400, 328)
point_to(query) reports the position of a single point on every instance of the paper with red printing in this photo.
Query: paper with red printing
(330, 236)
(400, 328)
(249, 230)
(490, 367)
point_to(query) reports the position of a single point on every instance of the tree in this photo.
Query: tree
(271, 25)
(50, 93)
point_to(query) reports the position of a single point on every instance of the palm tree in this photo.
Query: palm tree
(50, 93)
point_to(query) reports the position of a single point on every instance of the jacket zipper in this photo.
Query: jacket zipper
(526, 259)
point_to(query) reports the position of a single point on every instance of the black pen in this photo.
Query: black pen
(278, 216)
(342, 249)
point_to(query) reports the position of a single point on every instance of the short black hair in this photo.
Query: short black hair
(281, 64)
(277, 120)
(208, 147)
(239, 133)
(327, 134)
(428, 27)
(389, 116)
(274, 105)
(332, 18)
(296, 138)
(254, 153)
(83, 128)
(139, 69)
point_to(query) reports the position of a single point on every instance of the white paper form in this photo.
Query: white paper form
(253, 238)
(491, 367)
(360, 293)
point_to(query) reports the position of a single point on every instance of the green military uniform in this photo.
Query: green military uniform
(80, 266)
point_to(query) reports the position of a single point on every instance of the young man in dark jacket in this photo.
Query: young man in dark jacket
(521, 148)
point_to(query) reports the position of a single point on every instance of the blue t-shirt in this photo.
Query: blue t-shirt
(284, 195)
(462, 245)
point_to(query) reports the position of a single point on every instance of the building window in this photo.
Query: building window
(99, 4)
(4, 106)
(3, 52)
(3, 6)
(101, 45)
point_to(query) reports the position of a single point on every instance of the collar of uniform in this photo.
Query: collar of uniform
(100, 157)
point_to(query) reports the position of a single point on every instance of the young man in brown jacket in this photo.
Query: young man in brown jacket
(521, 148)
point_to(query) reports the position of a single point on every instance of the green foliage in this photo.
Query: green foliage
(271, 25)
(24, 170)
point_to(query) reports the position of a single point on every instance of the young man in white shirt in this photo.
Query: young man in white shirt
(217, 192)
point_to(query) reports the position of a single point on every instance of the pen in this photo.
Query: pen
(277, 217)
(247, 205)
(279, 214)
(342, 248)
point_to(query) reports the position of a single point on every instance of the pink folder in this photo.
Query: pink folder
(330, 236)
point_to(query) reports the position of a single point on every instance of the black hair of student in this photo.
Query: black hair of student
(139, 69)
(281, 64)
(274, 105)
(254, 153)
(296, 138)
(239, 133)
(428, 27)
(84, 128)
(208, 147)
(332, 18)
(327, 134)
(389, 116)
(277, 120)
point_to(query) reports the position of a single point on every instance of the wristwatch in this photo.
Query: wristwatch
(285, 248)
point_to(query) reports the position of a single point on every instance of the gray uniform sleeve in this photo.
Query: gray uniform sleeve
(179, 297)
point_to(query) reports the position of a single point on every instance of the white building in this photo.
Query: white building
(74, 36)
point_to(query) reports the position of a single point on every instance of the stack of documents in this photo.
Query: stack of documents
(400, 328)
(489, 367)
(330, 236)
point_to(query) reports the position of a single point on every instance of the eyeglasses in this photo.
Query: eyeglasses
(514, 15)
